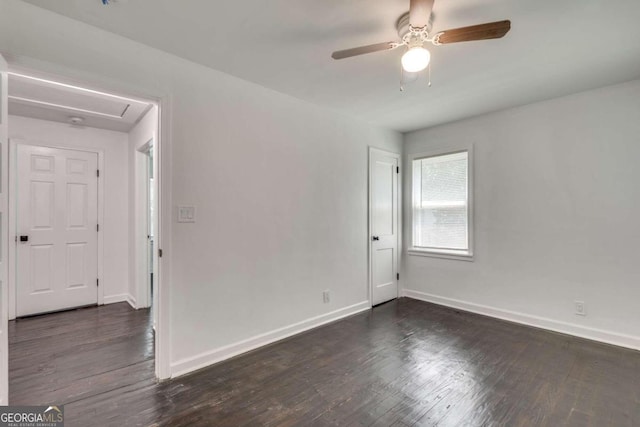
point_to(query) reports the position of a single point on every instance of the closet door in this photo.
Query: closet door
(56, 222)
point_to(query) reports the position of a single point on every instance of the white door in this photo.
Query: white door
(383, 219)
(57, 234)
(4, 240)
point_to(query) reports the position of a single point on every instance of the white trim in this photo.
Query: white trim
(164, 217)
(141, 282)
(4, 242)
(12, 204)
(399, 230)
(28, 101)
(202, 360)
(462, 255)
(77, 88)
(594, 334)
(113, 299)
(132, 302)
(101, 208)
(11, 227)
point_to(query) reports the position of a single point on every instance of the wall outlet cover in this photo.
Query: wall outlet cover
(326, 297)
(186, 214)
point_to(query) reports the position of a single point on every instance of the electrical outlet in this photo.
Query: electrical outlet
(581, 308)
(326, 297)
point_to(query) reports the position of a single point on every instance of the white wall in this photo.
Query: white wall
(280, 186)
(116, 191)
(139, 136)
(557, 191)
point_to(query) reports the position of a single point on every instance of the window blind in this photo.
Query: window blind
(440, 202)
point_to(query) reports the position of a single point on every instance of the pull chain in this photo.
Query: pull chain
(401, 78)
(429, 71)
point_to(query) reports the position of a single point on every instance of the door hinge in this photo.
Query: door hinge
(98, 173)
(397, 276)
(159, 253)
(397, 169)
(98, 282)
(97, 228)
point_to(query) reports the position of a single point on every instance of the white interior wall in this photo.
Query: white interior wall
(280, 188)
(557, 202)
(139, 136)
(116, 193)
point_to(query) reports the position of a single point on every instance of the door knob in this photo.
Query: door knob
(376, 238)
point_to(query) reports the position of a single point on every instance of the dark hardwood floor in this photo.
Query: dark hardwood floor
(74, 355)
(404, 363)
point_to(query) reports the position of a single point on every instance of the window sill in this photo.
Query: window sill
(457, 255)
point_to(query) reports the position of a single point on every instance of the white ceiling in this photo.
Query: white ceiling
(555, 47)
(48, 100)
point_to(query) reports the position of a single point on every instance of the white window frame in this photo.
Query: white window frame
(445, 253)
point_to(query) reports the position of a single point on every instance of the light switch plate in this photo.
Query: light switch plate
(186, 214)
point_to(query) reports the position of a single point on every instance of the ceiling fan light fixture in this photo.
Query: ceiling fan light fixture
(416, 59)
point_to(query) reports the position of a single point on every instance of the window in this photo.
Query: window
(441, 205)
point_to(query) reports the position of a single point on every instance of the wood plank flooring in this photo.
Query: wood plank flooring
(69, 356)
(404, 363)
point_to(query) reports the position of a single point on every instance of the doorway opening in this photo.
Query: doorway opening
(147, 222)
(83, 224)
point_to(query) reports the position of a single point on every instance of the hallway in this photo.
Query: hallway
(65, 357)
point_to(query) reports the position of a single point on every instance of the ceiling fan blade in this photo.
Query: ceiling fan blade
(491, 30)
(348, 53)
(420, 12)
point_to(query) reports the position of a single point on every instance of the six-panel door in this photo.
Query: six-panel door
(57, 214)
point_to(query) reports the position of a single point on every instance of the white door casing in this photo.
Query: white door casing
(4, 227)
(154, 229)
(146, 254)
(56, 224)
(164, 202)
(384, 202)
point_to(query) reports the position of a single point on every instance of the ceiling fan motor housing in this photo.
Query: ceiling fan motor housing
(402, 25)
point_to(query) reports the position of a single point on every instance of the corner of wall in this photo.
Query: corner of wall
(608, 337)
(208, 358)
(113, 299)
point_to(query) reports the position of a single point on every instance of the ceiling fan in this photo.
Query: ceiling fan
(414, 30)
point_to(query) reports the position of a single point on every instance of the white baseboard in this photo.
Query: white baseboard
(608, 337)
(112, 299)
(184, 366)
(132, 301)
